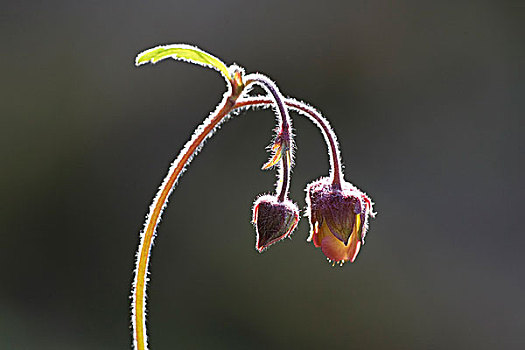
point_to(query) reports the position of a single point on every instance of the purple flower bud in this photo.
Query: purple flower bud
(273, 220)
(338, 218)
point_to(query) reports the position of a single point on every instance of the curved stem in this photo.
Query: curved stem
(270, 86)
(285, 171)
(318, 119)
(284, 135)
(204, 131)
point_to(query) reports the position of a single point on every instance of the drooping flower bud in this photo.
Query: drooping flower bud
(273, 220)
(338, 218)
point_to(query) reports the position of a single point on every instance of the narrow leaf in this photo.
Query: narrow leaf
(185, 53)
(273, 161)
(276, 157)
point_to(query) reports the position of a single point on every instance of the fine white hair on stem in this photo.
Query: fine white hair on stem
(329, 135)
(147, 236)
(336, 167)
(279, 109)
(159, 199)
(284, 129)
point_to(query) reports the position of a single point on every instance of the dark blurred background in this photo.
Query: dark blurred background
(428, 102)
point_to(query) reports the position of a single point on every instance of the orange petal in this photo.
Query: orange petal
(320, 232)
(337, 251)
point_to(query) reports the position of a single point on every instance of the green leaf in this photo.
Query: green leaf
(185, 53)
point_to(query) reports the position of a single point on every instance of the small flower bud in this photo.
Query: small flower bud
(273, 220)
(338, 218)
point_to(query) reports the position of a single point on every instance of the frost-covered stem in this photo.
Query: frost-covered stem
(147, 236)
(284, 132)
(317, 118)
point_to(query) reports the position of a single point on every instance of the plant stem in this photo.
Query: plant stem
(285, 174)
(318, 119)
(285, 133)
(204, 131)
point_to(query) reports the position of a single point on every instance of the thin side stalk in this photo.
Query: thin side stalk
(317, 118)
(284, 130)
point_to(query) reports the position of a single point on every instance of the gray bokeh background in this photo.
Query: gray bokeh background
(427, 99)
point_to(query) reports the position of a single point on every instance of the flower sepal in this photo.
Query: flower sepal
(338, 218)
(273, 220)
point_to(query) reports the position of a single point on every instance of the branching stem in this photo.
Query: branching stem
(285, 134)
(317, 118)
(229, 103)
(283, 153)
(158, 205)
(204, 131)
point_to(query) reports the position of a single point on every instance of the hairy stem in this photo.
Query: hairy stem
(317, 118)
(285, 133)
(285, 174)
(204, 131)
